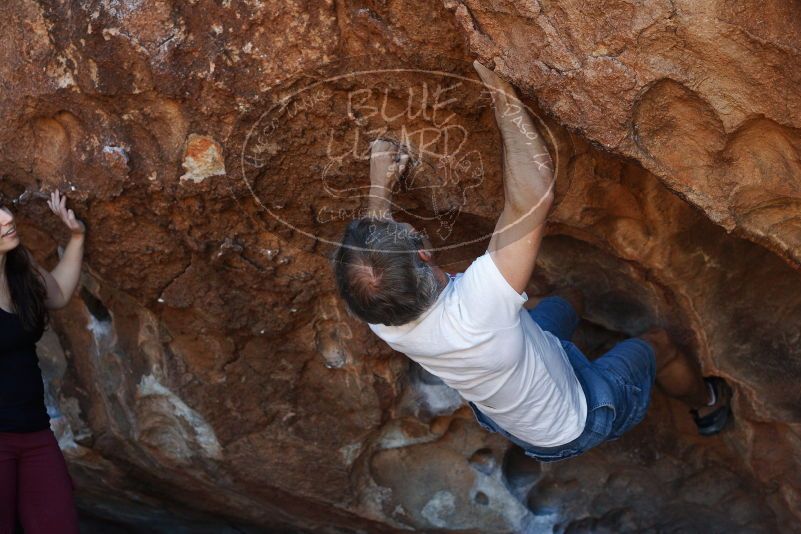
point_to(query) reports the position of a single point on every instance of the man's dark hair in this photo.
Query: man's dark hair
(380, 274)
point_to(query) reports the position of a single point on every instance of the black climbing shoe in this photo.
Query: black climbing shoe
(713, 422)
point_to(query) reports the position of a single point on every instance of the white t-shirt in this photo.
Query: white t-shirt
(479, 340)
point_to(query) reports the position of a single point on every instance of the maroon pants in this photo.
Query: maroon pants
(35, 487)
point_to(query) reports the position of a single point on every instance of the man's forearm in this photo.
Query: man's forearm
(528, 185)
(386, 165)
(528, 169)
(380, 204)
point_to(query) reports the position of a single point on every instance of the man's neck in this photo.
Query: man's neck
(443, 282)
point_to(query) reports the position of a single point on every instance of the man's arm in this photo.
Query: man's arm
(528, 185)
(386, 164)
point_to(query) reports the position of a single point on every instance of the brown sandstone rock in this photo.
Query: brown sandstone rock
(702, 94)
(208, 378)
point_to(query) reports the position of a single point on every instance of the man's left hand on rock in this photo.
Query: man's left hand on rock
(387, 163)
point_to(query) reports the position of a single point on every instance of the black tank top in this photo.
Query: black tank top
(22, 407)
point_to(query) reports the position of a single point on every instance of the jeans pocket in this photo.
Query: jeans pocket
(635, 409)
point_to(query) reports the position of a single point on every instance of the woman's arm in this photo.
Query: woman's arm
(62, 281)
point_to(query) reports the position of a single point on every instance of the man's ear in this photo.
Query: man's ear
(424, 255)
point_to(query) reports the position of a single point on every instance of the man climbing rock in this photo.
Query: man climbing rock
(518, 370)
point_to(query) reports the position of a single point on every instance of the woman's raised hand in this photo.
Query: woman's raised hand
(58, 204)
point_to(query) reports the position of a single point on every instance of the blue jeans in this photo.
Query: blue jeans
(617, 385)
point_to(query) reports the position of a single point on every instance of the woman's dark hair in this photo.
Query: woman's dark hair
(28, 290)
(380, 275)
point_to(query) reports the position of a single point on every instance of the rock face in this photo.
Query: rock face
(207, 377)
(702, 94)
